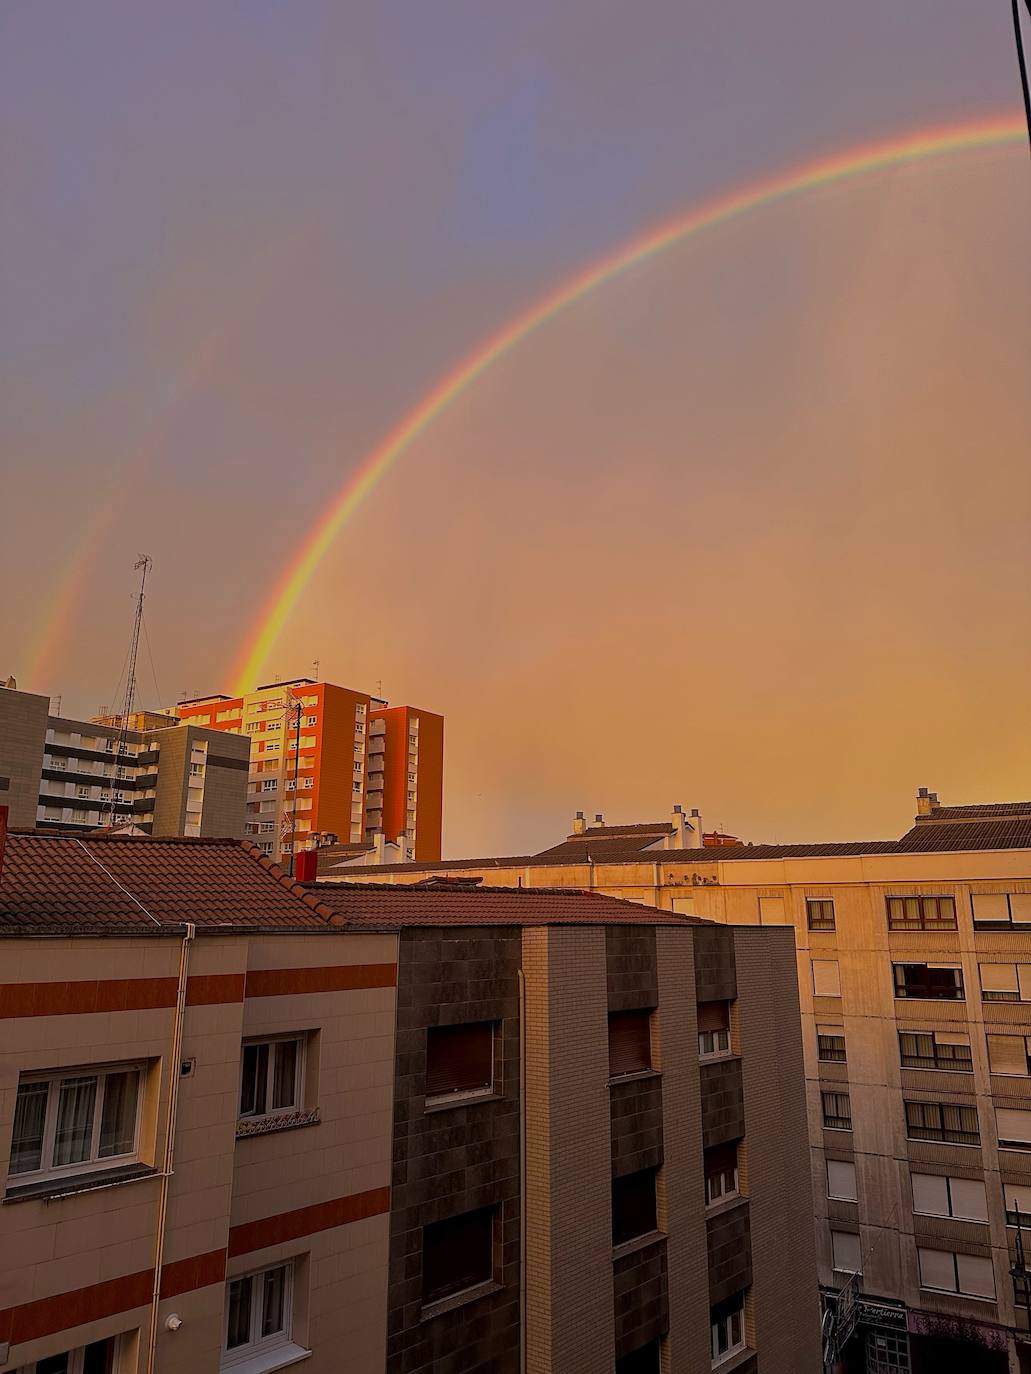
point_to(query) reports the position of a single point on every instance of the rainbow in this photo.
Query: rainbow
(858, 161)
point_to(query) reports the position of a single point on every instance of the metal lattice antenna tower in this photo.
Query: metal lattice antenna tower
(143, 566)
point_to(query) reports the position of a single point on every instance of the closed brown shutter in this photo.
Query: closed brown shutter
(459, 1058)
(630, 1045)
(720, 1158)
(457, 1253)
(713, 1016)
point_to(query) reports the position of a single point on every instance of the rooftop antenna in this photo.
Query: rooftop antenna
(315, 665)
(143, 566)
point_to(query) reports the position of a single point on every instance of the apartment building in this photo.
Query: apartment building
(246, 1122)
(355, 769)
(156, 775)
(914, 970)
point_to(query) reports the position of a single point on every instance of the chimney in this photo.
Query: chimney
(306, 865)
(926, 802)
(579, 824)
(678, 840)
(697, 840)
(599, 819)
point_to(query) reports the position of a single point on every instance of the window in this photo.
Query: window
(258, 1314)
(308, 782)
(837, 1111)
(270, 1075)
(727, 1326)
(645, 1360)
(830, 1044)
(935, 1195)
(938, 982)
(311, 720)
(77, 1121)
(1018, 1197)
(846, 1252)
(357, 787)
(819, 913)
(1010, 1054)
(630, 1044)
(997, 910)
(269, 785)
(935, 1050)
(921, 913)
(273, 725)
(457, 1254)
(841, 1180)
(633, 1206)
(271, 745)
(1014, 1127)
(82, 792)
(196, 770)
(946, 1272)
(945, 1121)
(96, 1358)
(713, 1029)
(267, 828)
(826, 979)
(1005, 982)
(459, 1059)
(721, 1177)
(253, 726)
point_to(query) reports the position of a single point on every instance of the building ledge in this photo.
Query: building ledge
(725, 1204)
(265, 1361)
(70, 1185)
(634, 1077)
(455, 1300)
(452, 1100)
(731, 1362)
(630, 1247)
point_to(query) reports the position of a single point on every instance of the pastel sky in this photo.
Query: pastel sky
(745, 529)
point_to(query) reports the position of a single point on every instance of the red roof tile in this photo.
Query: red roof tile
(385, 906)
(66, 884)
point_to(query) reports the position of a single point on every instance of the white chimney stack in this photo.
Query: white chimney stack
(696, 840)
(678, 840)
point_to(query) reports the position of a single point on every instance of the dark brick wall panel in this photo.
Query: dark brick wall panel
(730, 1252)
(452, 1161)
(630, 968)
(636, 1124)
(723, 1102)
(640, 1297)
(715, 975)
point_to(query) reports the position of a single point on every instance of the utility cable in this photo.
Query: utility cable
(1022, 64)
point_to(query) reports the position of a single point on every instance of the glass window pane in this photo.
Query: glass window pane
(54, 1364)
(99, 1357)
(75, 1104)
(238, 1327)
(118, 1115)
(272, 1310)
(284, 1075)
(253, 1084)
(30, 1110)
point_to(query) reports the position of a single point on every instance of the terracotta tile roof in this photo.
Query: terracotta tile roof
(112, 884)
(385, 906)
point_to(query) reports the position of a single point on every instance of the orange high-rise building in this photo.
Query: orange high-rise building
(356, 768)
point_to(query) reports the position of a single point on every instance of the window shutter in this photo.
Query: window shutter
(976, 1275)
(841, 1179)
(847, 1252)
(1020, 908)
(998, 978)
(969, 1199)
(630, 1049)
(713, 1016)
(990, 906)
(1013, 1124)
(937, 1269)
(1007, 1054)
(720, 1157)
(459, 1058)
(1024, 981)
(931, 1195)
(826, 979)
(772, 912)
(1018, 1195)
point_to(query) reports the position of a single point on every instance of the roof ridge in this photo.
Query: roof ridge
(291, 884)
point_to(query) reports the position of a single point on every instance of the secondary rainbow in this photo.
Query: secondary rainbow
(858, 161)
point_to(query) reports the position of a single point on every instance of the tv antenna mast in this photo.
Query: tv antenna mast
(143, 566)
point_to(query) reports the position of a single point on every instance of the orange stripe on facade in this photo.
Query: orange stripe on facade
(307, 1221)
(280, 982)
(46, 1316)
(203, 990)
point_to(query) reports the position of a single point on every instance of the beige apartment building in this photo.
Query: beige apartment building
(156, 775)
(247, 1123)
(914, 974)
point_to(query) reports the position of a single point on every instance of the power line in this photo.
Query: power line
(1021, 63)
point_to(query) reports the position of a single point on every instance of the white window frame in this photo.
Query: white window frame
(76, 1357)
(842, 1197)
(711, 1198)
(258, 1350)
(721, 1356)
(301, 1041)
(950, 1203)
(94, 1162)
